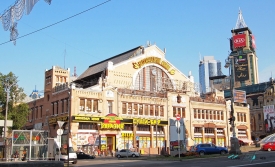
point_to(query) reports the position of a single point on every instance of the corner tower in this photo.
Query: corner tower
(244, 62)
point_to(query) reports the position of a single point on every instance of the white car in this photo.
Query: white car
(127, 153)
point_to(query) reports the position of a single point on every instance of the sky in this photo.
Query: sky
(188, 29)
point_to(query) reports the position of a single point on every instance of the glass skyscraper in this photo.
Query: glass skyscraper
(208, 67)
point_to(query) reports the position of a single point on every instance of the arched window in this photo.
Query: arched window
(152, 78)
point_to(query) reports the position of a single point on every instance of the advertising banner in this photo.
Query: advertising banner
(241, 68)
(239, 96)
(269, 118)
(239, 40)
(253, 42)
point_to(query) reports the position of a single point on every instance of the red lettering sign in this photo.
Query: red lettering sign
(239, 40)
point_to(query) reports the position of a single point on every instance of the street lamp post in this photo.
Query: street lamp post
(235, 147)
(69, 129)
(7, 86)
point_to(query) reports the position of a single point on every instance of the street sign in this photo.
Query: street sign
(177, 123)
(59, 132)
(177, 117)
(60, 123)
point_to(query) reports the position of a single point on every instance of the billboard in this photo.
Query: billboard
(239, 40)
(239, 96)
(241, 68)
(253, 42)
(269, 118)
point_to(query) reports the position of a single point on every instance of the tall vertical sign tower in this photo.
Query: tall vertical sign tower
(244, 61)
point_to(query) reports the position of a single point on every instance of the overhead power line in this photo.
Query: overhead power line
(58, 22)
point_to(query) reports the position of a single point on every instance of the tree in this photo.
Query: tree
(17, 109)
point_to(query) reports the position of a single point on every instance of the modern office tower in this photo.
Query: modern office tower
(208, 67)
(244, 62)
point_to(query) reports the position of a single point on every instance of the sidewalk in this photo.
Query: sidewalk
(249, 148)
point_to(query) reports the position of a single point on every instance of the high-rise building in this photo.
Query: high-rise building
(244, 62)
(208, 67)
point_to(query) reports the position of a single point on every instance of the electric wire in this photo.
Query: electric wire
(58, 22)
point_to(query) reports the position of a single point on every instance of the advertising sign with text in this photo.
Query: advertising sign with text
(239, 40)
(241, 68)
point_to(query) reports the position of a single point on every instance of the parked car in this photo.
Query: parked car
(202, 149)
(269, 146)
(126, 153)
(82, 155)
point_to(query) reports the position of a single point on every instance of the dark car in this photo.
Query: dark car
(82, 155)
(202, 149)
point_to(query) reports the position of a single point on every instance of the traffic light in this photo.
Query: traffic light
(230, 120)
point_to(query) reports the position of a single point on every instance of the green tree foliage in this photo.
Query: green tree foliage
(17, 109)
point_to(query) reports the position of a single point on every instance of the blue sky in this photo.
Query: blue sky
(185, 28)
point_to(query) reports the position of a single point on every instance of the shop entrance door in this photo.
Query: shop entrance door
(111, 146)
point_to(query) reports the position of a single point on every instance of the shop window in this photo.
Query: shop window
(143, 128)
(124, 111)
(128, 127)
(82, 105)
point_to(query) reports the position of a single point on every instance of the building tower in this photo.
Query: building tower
(208, 67)
(244, 62)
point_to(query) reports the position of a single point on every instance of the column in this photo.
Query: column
(203, 136)
(151, 136)
(216, 137)
(134, 136)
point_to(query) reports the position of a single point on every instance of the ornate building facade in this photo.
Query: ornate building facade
(128, 101)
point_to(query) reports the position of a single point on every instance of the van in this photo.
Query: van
(64, 155)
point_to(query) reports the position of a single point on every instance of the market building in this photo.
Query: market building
(128, 101)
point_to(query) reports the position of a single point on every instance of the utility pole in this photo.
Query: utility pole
(7, 86)
(69, 128)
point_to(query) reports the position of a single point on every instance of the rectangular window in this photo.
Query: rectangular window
(215, 115)
(195, 113)
(199, 114)
(95, 105)
(110, 106)
(156, 110)
(211, 114)
(221, 115)
(52, 108)
(130, 108)
(151, 110)
(206, 114)
(197, 130)
(135, 109)
(89, 106)
(140, 109)
(244, 116)
(62, 106)
(124, 111)
(161, 111)
(183, 112)
(146, 109)
(203, 114)
(41, 109)
(82, 105)
(174, 111)
(57, 104)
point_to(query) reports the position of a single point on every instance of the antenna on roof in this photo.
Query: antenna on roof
(74, 75)
(148, 43)
(240, 21)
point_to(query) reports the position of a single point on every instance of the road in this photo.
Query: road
(198, 162)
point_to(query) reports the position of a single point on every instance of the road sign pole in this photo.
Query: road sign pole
(179, 137)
